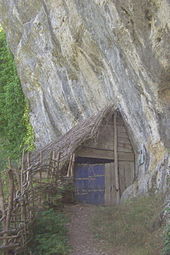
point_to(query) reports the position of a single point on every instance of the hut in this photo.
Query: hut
(98, 155)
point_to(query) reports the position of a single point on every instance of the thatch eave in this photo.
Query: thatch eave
(67, 144)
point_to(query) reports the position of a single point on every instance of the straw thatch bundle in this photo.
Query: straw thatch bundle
(67, 144)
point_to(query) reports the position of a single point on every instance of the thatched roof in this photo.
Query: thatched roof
(67, 144)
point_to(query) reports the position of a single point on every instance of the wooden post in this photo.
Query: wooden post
(69, 166)
(57, 169)
(22, 188)
(53, 167)
(2, 208)
(11, 195)
(22, 174)
(40, 176)
(72, 165)
(30, 180)
(116, 160)
(50, 165)
(40, 166)
(28, 159)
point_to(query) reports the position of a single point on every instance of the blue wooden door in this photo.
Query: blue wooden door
(90, 183)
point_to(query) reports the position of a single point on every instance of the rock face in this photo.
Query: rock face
(76, 56)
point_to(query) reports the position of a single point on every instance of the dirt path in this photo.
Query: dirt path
(80, 232)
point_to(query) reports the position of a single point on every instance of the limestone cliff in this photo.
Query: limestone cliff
(76, 56)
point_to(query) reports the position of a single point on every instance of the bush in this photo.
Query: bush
(15, 129)
(166, 249)
(50, 234)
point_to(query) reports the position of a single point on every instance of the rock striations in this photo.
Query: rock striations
(74, 57)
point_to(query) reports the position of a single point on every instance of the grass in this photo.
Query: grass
(50, 234)
(134, 227)
(166, 248)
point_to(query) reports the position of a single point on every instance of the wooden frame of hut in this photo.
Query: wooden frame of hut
(98, 153)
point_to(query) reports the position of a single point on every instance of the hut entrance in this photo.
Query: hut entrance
(90, 183)
(105, 167)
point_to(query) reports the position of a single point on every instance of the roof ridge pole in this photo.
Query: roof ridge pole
(116, 160)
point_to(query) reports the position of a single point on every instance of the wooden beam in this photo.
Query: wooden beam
(116, 159)
(95, 153)
(123, 153)
(125, 156)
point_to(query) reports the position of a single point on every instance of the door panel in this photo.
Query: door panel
(126, 174)
(110, 189)
(90, 183)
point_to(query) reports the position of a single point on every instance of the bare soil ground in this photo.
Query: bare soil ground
(80, 232)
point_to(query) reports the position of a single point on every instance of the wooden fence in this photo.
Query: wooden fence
(28, 189)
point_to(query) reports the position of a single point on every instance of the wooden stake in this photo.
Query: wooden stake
(72, 165)
(22, 170)
(2, 205)
(22, 188)
(69, 166)
(40, 166)
(11, 196)
(116, 160)
(50, 165)
(53, 166)
(32, 190)
(57, 167)
(28, 159)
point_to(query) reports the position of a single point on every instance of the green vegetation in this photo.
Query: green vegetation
(134, 227)
(166, 249)
(50, 234)
(16, 132)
